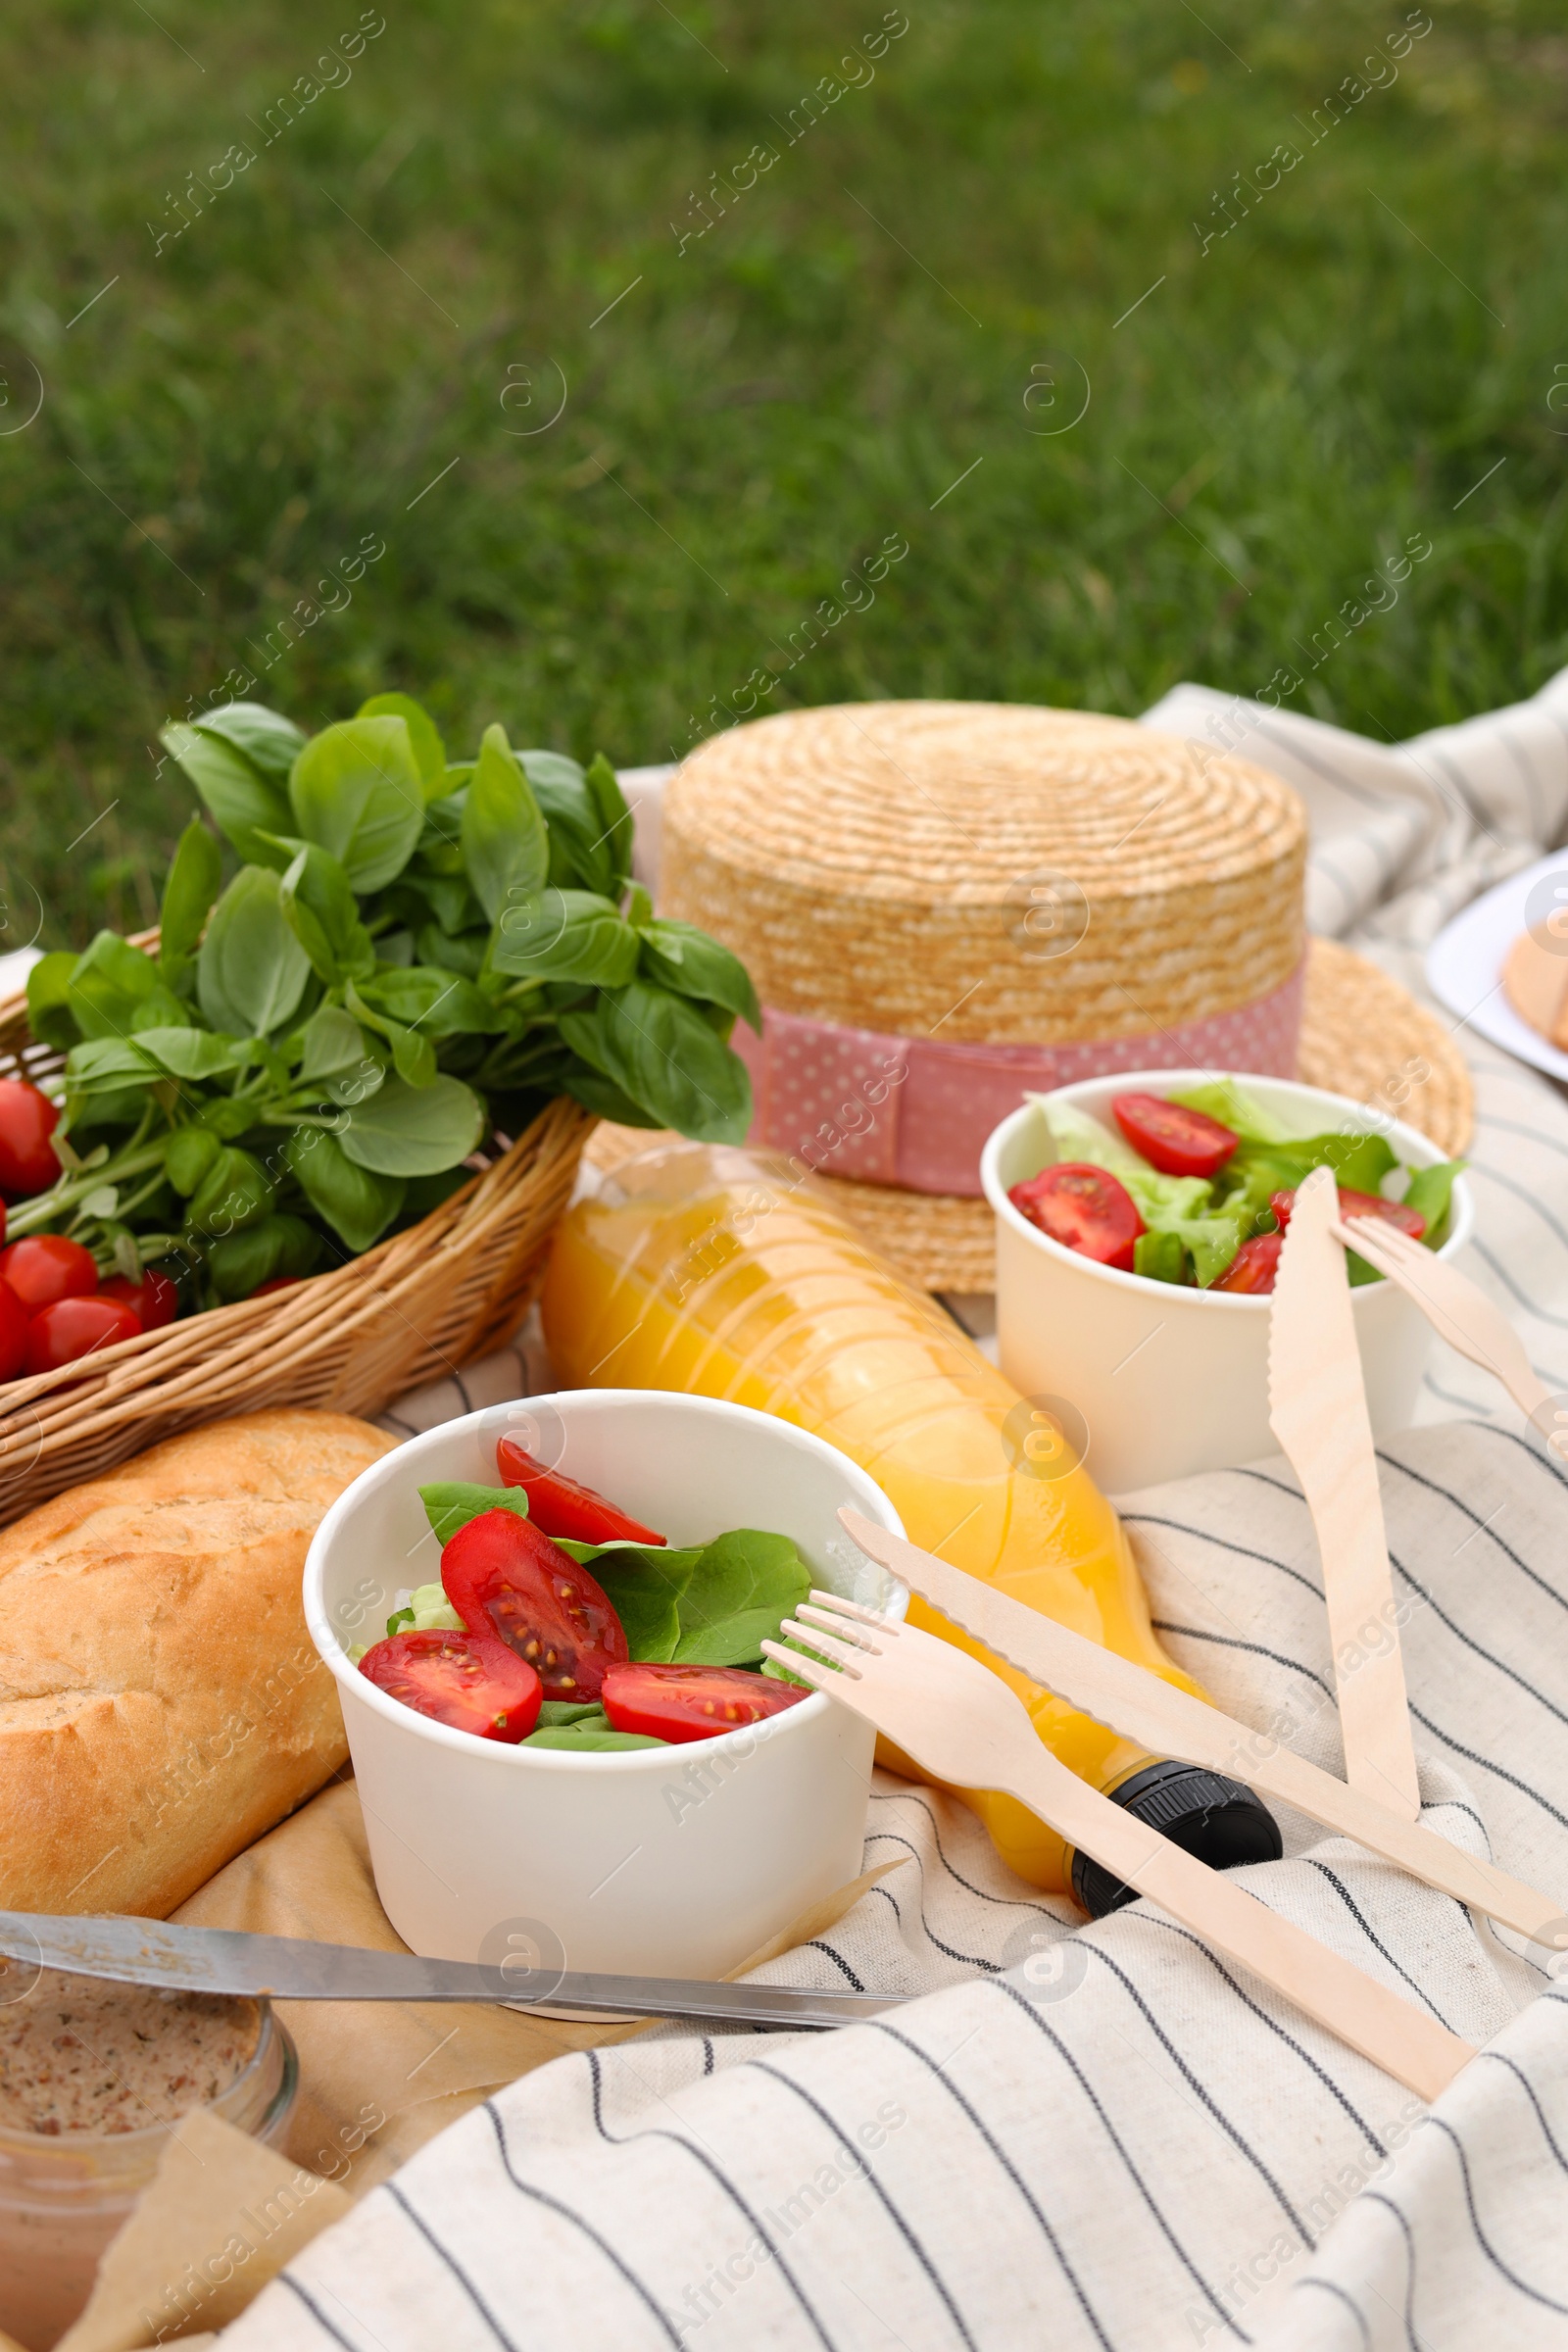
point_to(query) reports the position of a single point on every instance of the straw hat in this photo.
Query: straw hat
(965, 900)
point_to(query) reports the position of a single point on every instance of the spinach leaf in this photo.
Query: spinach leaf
(356, 1202)
(195, 873)
(565, 935)
(504, 846)
(737, 1593)
(243, 802)
(450, 1503)
(356, 790)
(429, 753)
(1430, 1194)
(252, 971)
(556, 1713)
(414, 1131)
(589, 1735)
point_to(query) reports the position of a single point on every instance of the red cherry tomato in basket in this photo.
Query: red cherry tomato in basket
(1176, 1140)
(692, 1702)
(280, 1281)
(558, 1505)
(471, 1682)
(72, 1328)
(28, 1119)
(1253, 1267)
(1359, 1205)
(12, 1332)
(504, 1577)
(1084, 1207)
(45, 1267)
(154, 1300)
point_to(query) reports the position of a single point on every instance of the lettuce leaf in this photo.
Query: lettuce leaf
(1223, 1099)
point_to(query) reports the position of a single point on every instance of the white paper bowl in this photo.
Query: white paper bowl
(662, 1861)
(1167, 1380)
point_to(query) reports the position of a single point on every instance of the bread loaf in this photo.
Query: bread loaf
(161, 1701)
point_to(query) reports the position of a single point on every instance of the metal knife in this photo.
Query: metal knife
(152, 1951)
(1168, 1722)
(1317, 1410)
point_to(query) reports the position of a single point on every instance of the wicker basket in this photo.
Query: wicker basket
(349, 1341)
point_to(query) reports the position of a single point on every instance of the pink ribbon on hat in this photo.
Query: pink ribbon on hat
(915, 1112)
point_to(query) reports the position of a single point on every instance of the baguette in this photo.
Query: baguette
(162, 1703)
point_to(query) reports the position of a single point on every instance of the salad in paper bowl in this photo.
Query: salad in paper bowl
(1139, 1220)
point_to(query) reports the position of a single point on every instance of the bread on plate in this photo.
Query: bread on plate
(161, 1701)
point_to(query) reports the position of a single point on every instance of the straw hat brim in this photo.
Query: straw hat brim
(1363, 1035)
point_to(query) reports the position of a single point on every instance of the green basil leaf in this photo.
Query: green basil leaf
(581, 858)
(268, 741)
(356, 1202)
(252, 971)
(600, 1095)
(659, 1049)
(195, 873)
(504, 845)
(450, 1503)
(413, 1056)
(414, 1131)
(50, 1015)
(330, 1042)
(736, 1596)
(681, 957)
(323, 913)
(193, 1053)
(430, 752)
(356, 790)
(101, 1062)
(109, 981)
(615, 820)
(277, 1247)
(242, 802)
(439, 1002)
(565, 935)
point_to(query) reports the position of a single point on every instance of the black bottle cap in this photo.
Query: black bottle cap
(1217, 1818)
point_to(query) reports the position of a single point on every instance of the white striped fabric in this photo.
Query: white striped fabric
(1125, 2144)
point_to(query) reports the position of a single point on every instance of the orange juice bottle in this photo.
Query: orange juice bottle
(721, 1273)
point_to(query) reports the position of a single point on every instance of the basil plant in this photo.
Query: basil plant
(416, 956)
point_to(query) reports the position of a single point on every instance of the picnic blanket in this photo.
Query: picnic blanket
(1105, 2135)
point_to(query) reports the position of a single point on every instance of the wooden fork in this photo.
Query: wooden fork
(963, 1724)
(1460, 1312)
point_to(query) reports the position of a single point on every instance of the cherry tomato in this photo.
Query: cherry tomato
(76, 1327)
(28, 1119)
(558, 1505)
(1176, 1140)
(280, 1281)
(154, 1300)
(1253, 1267)
(504, 1577)
(1085, 1208)
(1359, 1205)
(470, 1681)
(12, 1332)
(692, 1702)
(45, 1267)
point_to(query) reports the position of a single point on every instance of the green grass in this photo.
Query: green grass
(224, 425)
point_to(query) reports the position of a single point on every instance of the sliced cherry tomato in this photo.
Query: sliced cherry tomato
(1176, 1140)
(154, 1300)
(12, 1332)
(76, 1327)
(28, 1119)
(1085, 1208)
(470, 1681)
(45, 1267)
(1253, 1267)
(1359, 1205)
(558, 1505)
(504, 1577)
(692, 1702)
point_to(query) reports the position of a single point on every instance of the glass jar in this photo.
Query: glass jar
(64, 2197)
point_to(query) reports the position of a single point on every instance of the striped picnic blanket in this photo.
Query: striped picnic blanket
(1103, 2136)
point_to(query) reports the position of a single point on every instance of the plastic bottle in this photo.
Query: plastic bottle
(722, 1272)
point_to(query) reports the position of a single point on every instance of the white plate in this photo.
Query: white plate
(1464, 967)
